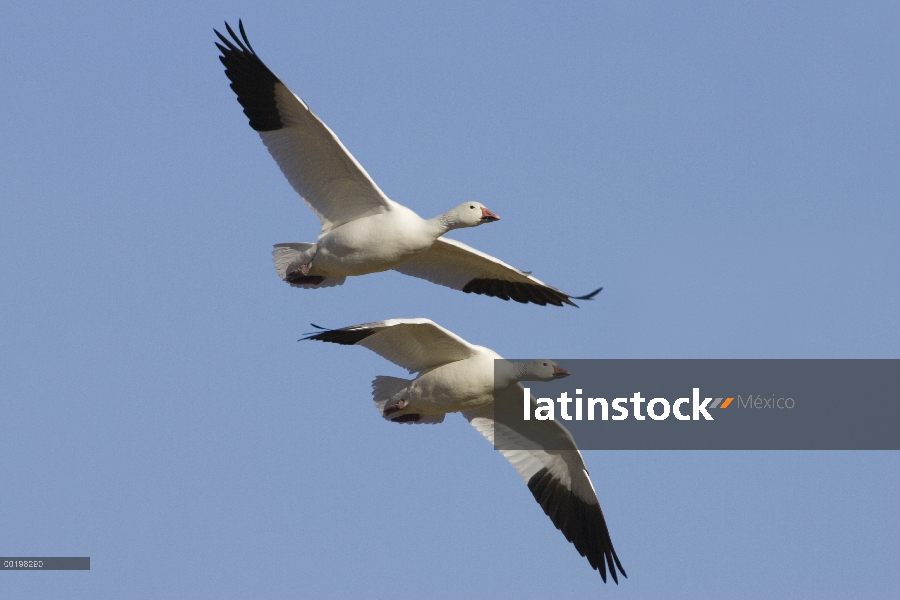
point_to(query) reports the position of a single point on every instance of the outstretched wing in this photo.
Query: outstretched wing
(462, 267)
(558, 480)
(310, 155)
(414, 344)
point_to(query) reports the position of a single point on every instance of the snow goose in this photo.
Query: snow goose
(456, 376)
(363, 231)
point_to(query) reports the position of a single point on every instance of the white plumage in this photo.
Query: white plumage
(456, 376)
(363, 231)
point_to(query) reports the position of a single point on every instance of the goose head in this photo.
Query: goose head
(542, 370)
(470, 214)
(507, 373)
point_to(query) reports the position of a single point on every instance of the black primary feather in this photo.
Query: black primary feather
(582, 523)
(251, 80)
(346, 337)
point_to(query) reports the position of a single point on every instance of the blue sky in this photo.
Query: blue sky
(729, 174)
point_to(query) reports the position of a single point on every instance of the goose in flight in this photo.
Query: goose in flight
(363, 231)
(456, 376)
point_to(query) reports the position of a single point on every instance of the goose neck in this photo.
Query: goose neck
(443, 223)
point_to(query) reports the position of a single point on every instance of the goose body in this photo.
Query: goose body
(363, 231)
(456, 376)
(451, 387)
(375, 243)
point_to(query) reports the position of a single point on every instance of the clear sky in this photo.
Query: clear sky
(729, 174)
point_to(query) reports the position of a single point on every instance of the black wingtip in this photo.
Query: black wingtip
(241, 46)
(251, 79)
(309, 335)
(346, 337)
(618, 564)
(588, 296)
(581, 523)
(518, 291)
(244, 34)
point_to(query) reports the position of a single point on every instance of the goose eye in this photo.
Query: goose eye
(545, 364)
(472, 207)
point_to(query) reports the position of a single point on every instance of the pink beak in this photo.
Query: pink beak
(559, 372)
(487, 216)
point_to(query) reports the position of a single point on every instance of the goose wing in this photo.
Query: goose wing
(462, 267)
(558, 480)
(414, 344)
(315, 162)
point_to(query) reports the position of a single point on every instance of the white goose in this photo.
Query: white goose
(363, 231)
(456, 376)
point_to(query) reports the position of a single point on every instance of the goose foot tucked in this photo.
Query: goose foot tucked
(394, 407)
(298, 277)
(302, 270)
(410, 418)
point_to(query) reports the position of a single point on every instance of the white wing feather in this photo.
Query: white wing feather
(460, 267)
(414, 344)
(565, 465)
(319, 167)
